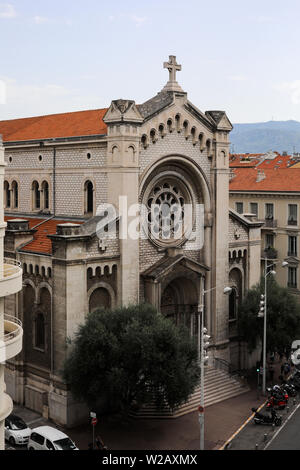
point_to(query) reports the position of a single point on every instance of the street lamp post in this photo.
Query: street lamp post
(264, 309)
(202, 345)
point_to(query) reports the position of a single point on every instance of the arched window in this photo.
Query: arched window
(6, 195)
(15, 194)
(99, 299)
(233, 304)
(40, 331)
(45, 190)
(170, 125)
(89, 197)
(36, 197)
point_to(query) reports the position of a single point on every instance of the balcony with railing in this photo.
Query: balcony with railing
(11, 341)
(292, 221)
(10, 277)
(270, 223)
(269, 253)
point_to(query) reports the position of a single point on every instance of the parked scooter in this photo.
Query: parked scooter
(278, 398)
(264, 418)
(289, 389)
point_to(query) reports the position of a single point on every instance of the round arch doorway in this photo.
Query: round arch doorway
(179, 302)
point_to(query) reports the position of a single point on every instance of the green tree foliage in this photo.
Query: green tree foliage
(283, 317)
(130, 355)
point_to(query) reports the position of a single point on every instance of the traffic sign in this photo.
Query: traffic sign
(94, 421)
(200, 409)
(93, 414)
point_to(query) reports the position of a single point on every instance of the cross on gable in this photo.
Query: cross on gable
(173, 67)
(102, 245)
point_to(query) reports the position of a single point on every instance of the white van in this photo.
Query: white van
(48, 438)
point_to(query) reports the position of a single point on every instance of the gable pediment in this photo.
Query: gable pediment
(221, 120)
(167, 264)
(122, 111)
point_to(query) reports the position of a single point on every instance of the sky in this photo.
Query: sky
(69, 55)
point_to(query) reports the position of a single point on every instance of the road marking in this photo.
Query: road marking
(241, 427)
(281, 427)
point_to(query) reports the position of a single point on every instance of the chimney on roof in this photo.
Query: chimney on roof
(260, 176)
(232, 174)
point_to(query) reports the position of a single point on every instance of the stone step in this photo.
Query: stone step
(218, 386)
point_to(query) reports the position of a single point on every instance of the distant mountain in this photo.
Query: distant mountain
(260, 137)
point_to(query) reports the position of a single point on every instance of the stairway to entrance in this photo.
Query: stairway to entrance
(218, 386)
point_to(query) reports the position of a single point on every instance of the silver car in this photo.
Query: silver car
(16, 430)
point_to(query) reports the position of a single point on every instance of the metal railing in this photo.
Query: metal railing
(9, 335)
(10, 267)
(270, 223)
(224, 365)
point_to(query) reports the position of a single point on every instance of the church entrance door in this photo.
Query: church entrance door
(179, 303)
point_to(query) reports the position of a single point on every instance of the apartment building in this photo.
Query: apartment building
(271, 192)
(11, 331)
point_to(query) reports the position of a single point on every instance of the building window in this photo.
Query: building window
(254, 208)
(269, 211)
(292, 277)
(88, 197)
(6, 195)
(45, 189)
(15, 194)
(233, 304)
(239, 207)
(292, 250)
(40, 331)
(36, 195)
(292, 214)
(269, 241)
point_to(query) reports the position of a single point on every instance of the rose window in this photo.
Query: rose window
(165, 206)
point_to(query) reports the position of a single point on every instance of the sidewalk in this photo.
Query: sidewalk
(222, 420)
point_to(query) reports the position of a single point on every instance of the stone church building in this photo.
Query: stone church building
(60, 169)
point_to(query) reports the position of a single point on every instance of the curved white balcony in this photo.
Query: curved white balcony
(6, 406)
(10, 277)
(11, 342)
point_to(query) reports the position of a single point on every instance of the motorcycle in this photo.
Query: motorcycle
(278, 398)
(263, 418)
(290, 389)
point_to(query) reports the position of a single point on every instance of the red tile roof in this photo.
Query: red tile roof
(41, 243)
(282, 161)
(76, 124)
(244, 160)
(281, 179)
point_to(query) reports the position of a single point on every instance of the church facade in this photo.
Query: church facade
(61, 171)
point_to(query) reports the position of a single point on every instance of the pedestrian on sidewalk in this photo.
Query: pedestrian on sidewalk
(100, 444)
(286, 370)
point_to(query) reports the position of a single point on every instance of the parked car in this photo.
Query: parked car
(48, 438)
(16, 430)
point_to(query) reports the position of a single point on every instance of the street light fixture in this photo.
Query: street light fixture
(263, 313)
(203, 357)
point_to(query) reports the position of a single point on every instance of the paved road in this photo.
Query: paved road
(288, 437)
